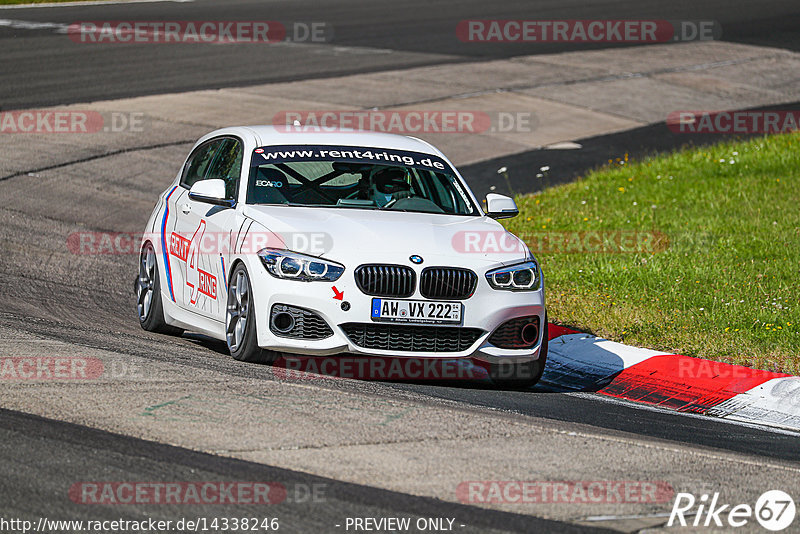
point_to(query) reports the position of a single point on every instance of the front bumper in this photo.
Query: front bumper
(486, 310)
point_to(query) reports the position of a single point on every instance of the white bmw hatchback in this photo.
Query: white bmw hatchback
(340, 243)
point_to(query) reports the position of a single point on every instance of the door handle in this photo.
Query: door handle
(186, 208)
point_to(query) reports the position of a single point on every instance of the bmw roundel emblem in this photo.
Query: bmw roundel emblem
(416, 259)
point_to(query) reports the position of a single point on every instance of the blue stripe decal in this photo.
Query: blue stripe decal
(224, 277)
(164, 243)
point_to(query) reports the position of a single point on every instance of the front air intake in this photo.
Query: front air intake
(411, 338)
(519, 333)
(299, 323)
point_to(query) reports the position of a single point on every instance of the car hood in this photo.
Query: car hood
(344, 234)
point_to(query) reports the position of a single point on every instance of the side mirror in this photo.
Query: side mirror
(211, 192)
(500, 206)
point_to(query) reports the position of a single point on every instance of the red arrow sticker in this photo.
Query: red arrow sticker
(337, 295)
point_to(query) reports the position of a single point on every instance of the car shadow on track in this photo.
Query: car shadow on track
(576, 362)
(207, 342)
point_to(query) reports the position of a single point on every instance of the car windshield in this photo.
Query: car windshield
(356, 177)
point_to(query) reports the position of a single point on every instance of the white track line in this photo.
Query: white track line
(34, 25)
(98, 3)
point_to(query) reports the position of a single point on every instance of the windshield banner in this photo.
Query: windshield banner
(350, 154)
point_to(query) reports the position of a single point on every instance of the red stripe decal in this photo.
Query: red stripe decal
(683, 383)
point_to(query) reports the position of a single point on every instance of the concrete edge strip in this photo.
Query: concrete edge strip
(87, 3)
(583, 362)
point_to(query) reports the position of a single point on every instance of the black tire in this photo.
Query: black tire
(243, 344)
(151, 317)
(521, 375)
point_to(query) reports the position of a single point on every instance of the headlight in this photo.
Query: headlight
(295, 266)
(520, 277)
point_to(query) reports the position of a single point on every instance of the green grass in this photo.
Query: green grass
(727, 284)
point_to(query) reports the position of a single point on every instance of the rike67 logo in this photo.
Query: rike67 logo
(774, 510)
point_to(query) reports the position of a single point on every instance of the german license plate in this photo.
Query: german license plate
(416, 311)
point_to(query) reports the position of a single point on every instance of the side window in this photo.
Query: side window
(227, 165)
(199, 162)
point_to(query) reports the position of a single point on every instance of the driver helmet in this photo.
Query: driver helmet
(386, 182)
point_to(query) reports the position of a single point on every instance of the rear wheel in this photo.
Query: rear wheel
(148, 295)
(521, 375)
(240, 324)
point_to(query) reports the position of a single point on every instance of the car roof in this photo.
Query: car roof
(267, 135)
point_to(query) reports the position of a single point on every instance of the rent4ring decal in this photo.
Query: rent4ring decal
(188, 251)
(288, 153)
(207, 284)
(199, 280)
(179, 246)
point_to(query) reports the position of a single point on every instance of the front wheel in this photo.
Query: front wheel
(521, 375)
(148, 295)
(240, 324)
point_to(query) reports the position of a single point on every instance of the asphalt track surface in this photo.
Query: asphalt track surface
(42, 68)
(313, 504)
(87, 301)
